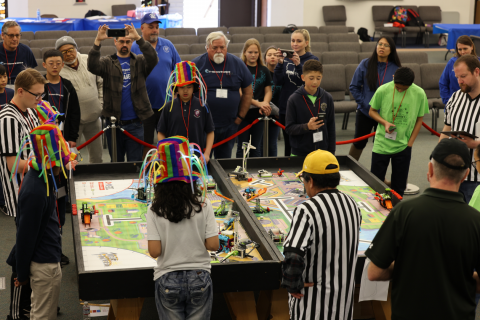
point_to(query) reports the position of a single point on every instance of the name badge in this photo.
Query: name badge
(222, 93)
(318, 136)
(391, 136)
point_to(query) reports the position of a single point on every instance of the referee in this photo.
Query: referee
(321, 247)
(462, 113)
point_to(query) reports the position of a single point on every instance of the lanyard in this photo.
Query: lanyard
(313, 105)
(394, 116)
(254, 80)
(28, 113)
(224, 63)
(59, 96)
(8, 68)
(384, 72)
(187, 126)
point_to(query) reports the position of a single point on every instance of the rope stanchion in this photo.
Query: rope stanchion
(356, 140)
(236, 134)
(430, 129)
(278, 124)
(93, 138)
(128, 134)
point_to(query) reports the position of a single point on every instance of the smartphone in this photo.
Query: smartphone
(114, 33)
(321, 116)
(287, 53)
(392, 128)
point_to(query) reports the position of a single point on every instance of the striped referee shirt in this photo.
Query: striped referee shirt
(14, 127)
(462, 114)
(325, 230)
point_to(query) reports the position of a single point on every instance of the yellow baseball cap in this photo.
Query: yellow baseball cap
(317, 162)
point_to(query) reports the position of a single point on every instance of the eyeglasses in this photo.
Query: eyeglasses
(383, 45)
(11, 36)
(51, 64)
(64, 52)
(474, 163)
(37, 96)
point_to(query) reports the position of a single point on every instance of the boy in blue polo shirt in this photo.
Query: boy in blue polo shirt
(187, 115)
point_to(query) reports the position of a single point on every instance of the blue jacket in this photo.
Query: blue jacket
(359, 85)
(448, 82)
(289, 77)
(298, 115)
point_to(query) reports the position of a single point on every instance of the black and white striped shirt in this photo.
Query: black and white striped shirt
(14, 127)
(326, 229)
(462, 114)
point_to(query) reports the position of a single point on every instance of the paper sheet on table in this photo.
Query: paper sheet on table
(99, 310)
(372, 290)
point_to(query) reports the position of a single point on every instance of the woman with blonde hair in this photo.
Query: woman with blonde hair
(262, 94)
(448, 82)
(288, 73)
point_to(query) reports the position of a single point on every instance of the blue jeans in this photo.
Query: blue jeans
(467, 188)
(224, 151)
(125, 145)
(184, 295)
(273, 131)
(256, 131)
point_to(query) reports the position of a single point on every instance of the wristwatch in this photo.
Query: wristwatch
(238, 116)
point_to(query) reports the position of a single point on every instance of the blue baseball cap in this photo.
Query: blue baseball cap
(149, 18)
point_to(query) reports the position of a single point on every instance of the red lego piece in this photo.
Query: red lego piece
(250, 179)
(74, 209)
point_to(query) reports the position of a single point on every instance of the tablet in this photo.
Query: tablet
(454, 134)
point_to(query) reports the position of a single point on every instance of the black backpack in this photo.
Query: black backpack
(290, 28)
(414, 19)
(363, 35)
(93, 13)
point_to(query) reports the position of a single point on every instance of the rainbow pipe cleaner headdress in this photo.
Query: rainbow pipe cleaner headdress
(185, 73)
(47, 113)
(174, 160)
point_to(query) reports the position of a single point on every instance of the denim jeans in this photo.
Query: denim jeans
(125, 145)
(400, 167)
(184, 295)
(256, 132)
(467, 188)
(224, 151)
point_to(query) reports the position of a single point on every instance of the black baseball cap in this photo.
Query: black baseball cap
(448, 147)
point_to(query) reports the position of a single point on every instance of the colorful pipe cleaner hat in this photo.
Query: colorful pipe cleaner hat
(48, 114)
(49, 147)
(185, 73)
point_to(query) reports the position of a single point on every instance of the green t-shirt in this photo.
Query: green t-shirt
(312, 98)
(414, 105)
(475, 201)
(434, 240)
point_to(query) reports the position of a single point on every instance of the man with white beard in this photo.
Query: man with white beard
(89, 90)
(225, 76)
(158, 79)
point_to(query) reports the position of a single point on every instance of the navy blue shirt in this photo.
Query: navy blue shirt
(128, 113)
(275, 91)
(18, 60)
(38, 226)
(55, 96)
(6, 96)
(158, 79)
(195, 117)
(235, 76)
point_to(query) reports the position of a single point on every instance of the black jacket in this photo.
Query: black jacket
(72, 110)
(298, 115)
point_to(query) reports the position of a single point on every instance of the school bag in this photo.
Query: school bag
(414, 19)
(290, 28)
(363, 35)
(398, 14)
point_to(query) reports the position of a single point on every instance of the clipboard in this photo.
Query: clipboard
(454, 134)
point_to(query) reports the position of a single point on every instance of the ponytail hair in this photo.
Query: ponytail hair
(306, 36)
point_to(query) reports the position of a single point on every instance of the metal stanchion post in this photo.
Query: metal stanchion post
(266, 121)
(114, 139)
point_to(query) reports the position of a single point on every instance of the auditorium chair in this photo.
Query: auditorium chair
(332, 29)
(380, 17)
(42, 43)
(281, 45)
(310, 29)
(122, 9)
(203, 38)
(188, 57)
(25, 42)
(319, 47)
(430, 73)
(87, 42)
(277, 37)
(241, 38)
(430, 15)
(342, 37)
(339, 58)
(368, 46)
(416, 69)
(318, 37)
(413, 57)
(198, 48)
(183, 39)
(83, 34)
(244, 30)
(335, 16)
(364, 55)
(207, 31)
(37, 53)
(344, 46)
(45, 49)
(183, 48)
(39, 35)
(28, 35)
(420, 31)
(271, 30)
(349, 72)
(180, 32)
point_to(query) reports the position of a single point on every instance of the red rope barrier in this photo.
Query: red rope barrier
(278, 124)
(430, 129)
(128, 134)
(356, 140)
(92, 138)
(236, 134)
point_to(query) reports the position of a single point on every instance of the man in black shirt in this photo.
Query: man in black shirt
(429, 246)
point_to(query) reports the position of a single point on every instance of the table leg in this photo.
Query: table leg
(241, 305)
(125, 309)
(273, 304)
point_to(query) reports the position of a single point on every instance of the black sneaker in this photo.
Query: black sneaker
(64, 260)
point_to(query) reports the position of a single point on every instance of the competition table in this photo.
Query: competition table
(31, 24)
(456, 30)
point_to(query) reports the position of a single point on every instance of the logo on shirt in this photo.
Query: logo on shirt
(196, 113)
(323, 106)
(166, 49)
(126, 74)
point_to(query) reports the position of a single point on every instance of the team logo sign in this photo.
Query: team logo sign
(323, 106)
(166, 49)
(196, 113)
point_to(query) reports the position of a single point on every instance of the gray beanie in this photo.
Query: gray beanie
(63, 41)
